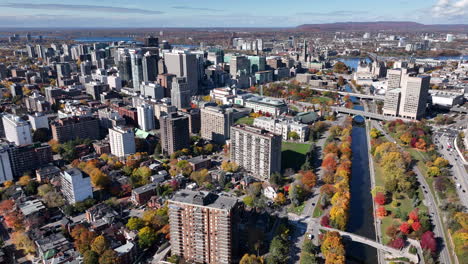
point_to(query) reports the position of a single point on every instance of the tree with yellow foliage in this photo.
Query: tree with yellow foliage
(333, 249)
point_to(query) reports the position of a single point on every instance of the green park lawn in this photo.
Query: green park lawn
(293, 154)
(246, 120)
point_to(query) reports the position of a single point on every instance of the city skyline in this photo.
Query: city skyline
(209, 13)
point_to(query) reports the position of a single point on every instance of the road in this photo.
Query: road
(377, 222)
(303, 223)
(457, 169)
(439, 230)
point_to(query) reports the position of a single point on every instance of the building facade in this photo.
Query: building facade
(146, 117)
(414, 95)
(256, 150)
(392, 102)
(216, 124)
(122, 141)
(174, 132)
(201, 226)
(17, 130)
(71, 128)
(75, 185)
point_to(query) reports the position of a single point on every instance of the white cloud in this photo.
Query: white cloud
(451, 9)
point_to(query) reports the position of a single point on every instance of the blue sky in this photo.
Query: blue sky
(222, 13)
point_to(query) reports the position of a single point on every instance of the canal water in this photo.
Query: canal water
(361, 218)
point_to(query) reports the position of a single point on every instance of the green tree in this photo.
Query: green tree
(200, 176)
(276, 179)
(90, 257)
(109, 257)
(53, 199)
(279, 250)
(135, 223)
(248, 200)
(44, 189)
(146, 237)
(293, 135)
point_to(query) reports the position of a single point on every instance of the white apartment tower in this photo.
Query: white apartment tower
(216, 124)
(393, 79)
(122, 141)
(256, 150)
(392, 102)
(145, 113)
(414, 95)
(17, 130)
(75, 185)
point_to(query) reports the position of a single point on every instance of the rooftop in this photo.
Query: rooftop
(205, 199)
(30, 207)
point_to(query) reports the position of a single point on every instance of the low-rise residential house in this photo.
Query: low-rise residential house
(48, 173)
(142, 194)
(34, 212)
(127, 253)
(200, 162)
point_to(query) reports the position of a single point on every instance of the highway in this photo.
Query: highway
(439, 230)
(457, 169)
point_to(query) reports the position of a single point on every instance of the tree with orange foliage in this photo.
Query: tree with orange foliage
(333, 249)
(83, 238)
(380, 198)
(381, 212)
(329, 162)
(280, 198)
(416, 226)
(405, 228)
(331, 148)
(309, 178)
(6, 206)
(413, 215)
(14, 220)
(421, 144)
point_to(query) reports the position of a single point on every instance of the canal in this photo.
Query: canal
(361, 218)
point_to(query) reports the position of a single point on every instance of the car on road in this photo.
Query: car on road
(310, 236)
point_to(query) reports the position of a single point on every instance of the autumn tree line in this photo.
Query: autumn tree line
(336, 166)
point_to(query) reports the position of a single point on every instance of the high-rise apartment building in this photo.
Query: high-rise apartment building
(27, 157)
(71, 128)
(150, 67)
(151, 41)
(414, 94)
(239, 64)
(256, 150)
(125, 67)
(202, 226)
(165, 80)
(183, 65)
(122, 141)
(145, 116)
(392, 102)
(180, 93)
(17, 130)
(137, 69)
(174, 132)
(393, 79)
(75, 185)
(216, 123)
